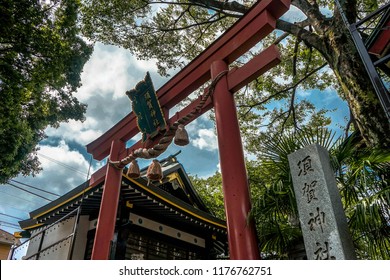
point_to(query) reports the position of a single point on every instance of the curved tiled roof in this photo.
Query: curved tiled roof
(144, 195)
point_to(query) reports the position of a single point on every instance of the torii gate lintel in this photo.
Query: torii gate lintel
(237, 78)
(244, 34)
(258, 22)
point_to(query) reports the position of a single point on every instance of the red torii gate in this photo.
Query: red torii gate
(244, 34)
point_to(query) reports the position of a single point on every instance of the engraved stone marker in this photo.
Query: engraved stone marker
(323, 222)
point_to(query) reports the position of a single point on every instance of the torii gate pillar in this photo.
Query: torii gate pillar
(108, 209)
(241, 232)
(259, 21)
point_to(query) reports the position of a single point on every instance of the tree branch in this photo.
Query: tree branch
(308, 37)
(350, 122)
(222, 6)
(349, 6)
(191, 25)
(312, 11)
(301, 24)
(201, 31)
(284, 90)
(291, 111)
(236, 9)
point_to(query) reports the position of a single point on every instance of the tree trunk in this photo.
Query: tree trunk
(363, 102)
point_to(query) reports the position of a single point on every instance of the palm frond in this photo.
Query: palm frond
(363, 178)
(321, 136)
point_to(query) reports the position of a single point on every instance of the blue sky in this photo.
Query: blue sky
(109, 73)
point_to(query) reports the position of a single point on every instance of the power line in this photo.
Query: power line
(10, 206)
(14, 227)
(11, 224)
(63, 164)
(24, 184)
(29, 192)
(11, 216)
(29, 201)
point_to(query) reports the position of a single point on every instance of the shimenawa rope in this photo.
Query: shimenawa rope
(166, 140)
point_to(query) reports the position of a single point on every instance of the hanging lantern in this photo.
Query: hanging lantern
(154, 172)
(181, 136)
(133, 171)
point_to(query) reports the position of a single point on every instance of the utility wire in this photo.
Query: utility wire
(29, 201)
(86, 182)
(24, 184)
(4, 222)
(14, 227)
(63, 164)
(29, 191)
(10, 205)
(11, 216)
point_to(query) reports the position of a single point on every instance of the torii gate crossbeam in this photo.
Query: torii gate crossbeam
(244, 34)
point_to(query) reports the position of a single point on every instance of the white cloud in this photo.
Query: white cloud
(144, 65)
(105, 72)
(106, 77)
(111, 71)
(205, 140)
(63, 168)
(304, 93)
(283, 81)
(82, 133)
(61, 161)
(294, 15)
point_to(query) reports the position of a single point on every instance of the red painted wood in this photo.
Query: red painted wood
(245, 33)
(98, 176)
(240, 77)
(237, 78)
(108, 207)
(107, 217)
(254, 26)
(382, 41)
(241, 234)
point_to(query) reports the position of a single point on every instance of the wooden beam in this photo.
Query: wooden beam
(237, 78)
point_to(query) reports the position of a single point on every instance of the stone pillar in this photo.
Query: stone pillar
(321, 215)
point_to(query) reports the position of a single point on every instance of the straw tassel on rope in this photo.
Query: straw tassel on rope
(133, 171)
(154, 172)
(181, 136)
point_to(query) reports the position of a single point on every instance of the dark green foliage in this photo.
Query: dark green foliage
(210, 190)
(362, 177)
(363, 180)
(41, 59)
(316, 49)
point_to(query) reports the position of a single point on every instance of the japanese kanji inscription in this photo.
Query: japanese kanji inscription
(321, 214)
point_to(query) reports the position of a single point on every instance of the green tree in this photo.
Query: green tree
(41, 59)
(210, 190)
(174, 32)
(363, 181)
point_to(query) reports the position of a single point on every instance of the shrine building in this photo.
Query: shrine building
(155, 221)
